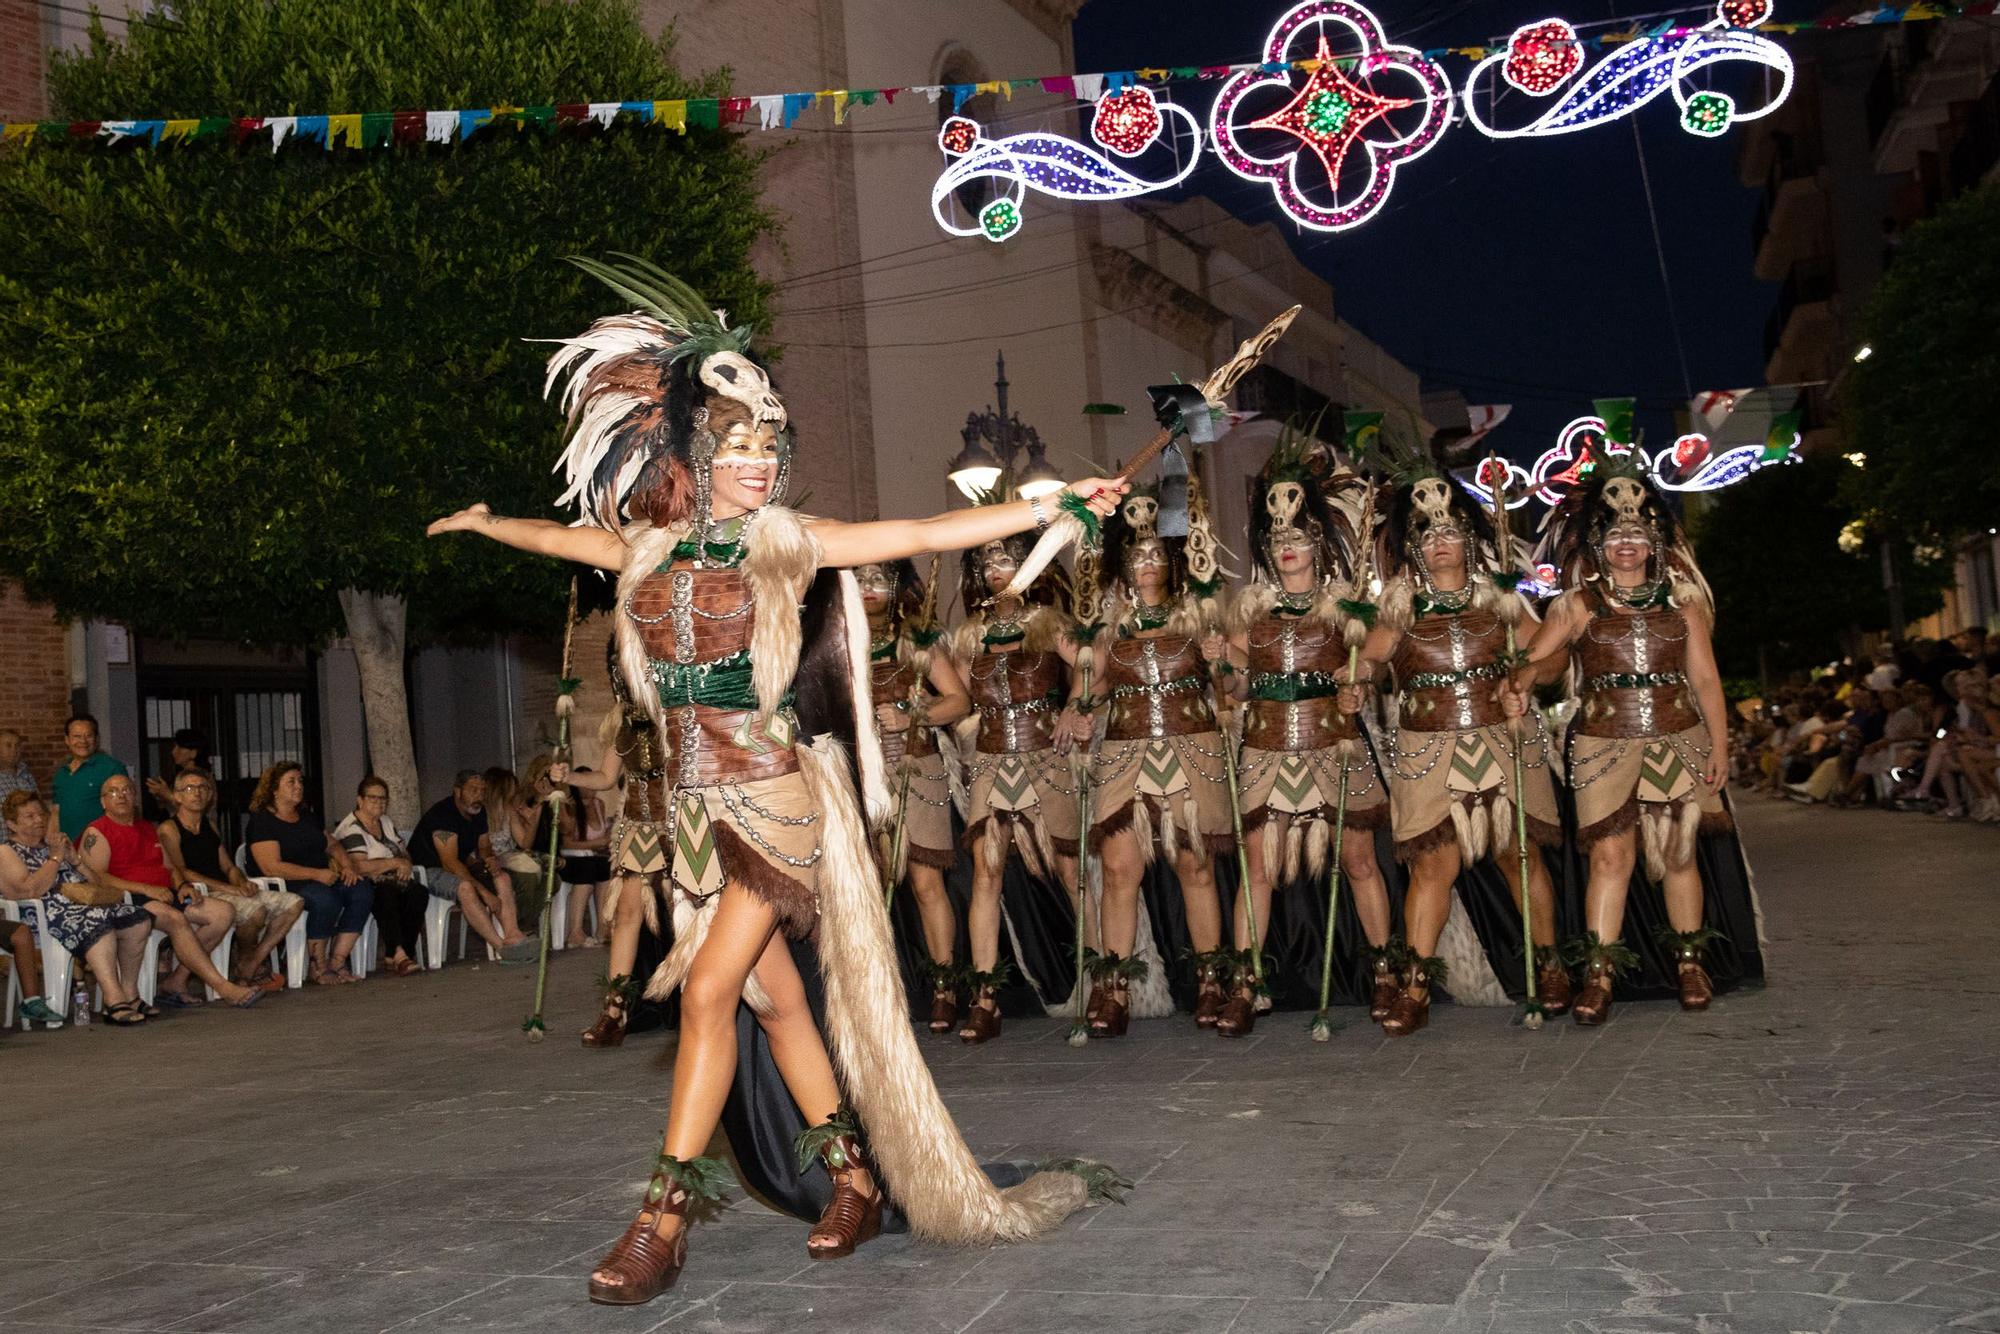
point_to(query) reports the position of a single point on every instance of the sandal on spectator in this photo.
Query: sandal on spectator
(250, 1000)
(180, 1000)
(125, 1014)
(269, 982)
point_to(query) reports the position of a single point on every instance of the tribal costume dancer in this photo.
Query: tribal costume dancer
(1022, 792)
(746, 646)
(915, 692)
(1452, 760)
(1648, 751)
(1159, 780)
(1289, 642)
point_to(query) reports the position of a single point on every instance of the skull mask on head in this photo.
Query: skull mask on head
(736, 377)
(1142, 513)
(1431, 497)
(1626, 497)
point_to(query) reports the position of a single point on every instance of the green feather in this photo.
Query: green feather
(814, 1141)
(1363, 612)
(1105, 1184)
(706, 1180)
(1078, 508)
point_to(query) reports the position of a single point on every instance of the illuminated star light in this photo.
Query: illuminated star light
(1336, 113)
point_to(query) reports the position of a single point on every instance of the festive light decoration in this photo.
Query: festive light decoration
(1634, 75)
(1567, 462)
(1520, 486)
(1350, 117)
(1689, 465)
(1056, 165)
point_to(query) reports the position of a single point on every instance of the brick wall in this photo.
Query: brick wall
(21, 57)
(34, 677)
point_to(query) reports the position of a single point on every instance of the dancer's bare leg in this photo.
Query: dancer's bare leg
(1611, 862)
(1541, 891)
(934, 906)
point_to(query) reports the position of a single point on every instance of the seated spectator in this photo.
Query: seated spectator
(288, 843)
(1889, 749)
(451, 841)
(76, 787)
(14, 775)
(123, 851)
(192, 846)
(376, 848)
(36, 868)
(17, 941)
(1954, 768)
(510, 831)
(188, 750)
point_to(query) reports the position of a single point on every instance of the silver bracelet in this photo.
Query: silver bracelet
(1041, 514)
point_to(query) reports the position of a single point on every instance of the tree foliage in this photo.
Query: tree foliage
(234, 382)
(1924, 406)
(1786, 595)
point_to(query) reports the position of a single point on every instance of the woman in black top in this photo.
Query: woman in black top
(289, 843)
(193, 849)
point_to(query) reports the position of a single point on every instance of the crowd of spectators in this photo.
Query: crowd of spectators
(85, 867)
(1916, 729)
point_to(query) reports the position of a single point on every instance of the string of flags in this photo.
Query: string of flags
(781, 111)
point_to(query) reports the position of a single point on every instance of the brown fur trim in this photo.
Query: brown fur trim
(1112, 825)
(1219, 843)
(1716, 822)
(973, 833)
(1437, 836)
(1368, 817)
(1621, 821)
(780, 556)
(942, 858)
(1544, 834)
(1254, 820)
(1067, 847)
(796, 906)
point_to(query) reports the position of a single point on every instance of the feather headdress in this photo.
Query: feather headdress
(1617, 491)
(636, 388)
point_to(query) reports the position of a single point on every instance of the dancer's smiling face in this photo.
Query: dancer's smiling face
(745, 467)
(1627, 548)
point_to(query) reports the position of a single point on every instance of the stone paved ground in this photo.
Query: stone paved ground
(1824, 1156)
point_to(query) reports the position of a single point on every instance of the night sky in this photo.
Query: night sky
(1521, 271)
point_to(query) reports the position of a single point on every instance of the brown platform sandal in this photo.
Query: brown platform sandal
(850, 1217)
(1552, 984)
(1410, 1012)
(643, 1264)
(609, 1030)
(1116, 1016)
(944, 997)
(1388, 961)
(1602, 962)
(1210, 967)
(982, 1016)
(1111, 979)
(1239, 1013)
(1697, 987)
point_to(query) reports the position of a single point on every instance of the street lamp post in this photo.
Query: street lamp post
(993, 440)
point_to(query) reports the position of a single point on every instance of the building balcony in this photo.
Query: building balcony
(1800, 336)
(1791, 217)
(1933, 66)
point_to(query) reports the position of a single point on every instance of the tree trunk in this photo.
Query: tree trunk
(375, 629)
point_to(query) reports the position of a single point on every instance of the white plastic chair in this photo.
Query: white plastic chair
(149, 969)
(292, 954)
(57, 965)
(558, 911)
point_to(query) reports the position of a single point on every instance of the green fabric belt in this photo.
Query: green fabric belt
(722, 684)
(1635, 681)
(1291, 687)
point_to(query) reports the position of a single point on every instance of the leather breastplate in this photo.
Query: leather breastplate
(1018, 696)
(1293, 691)
(1447, 669)
(1633, 675)
(890, 682)
(696, 626)
(1157, 688)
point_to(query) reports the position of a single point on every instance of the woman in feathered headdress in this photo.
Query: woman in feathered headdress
(743, 640)
(1649, 746)
(1017, 654)
(1158, 778)
(1289, 637)
(1441, 633)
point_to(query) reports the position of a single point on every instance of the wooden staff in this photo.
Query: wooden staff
(923, 634)
(1362, 613)
(566, 688)
(1531, 1005)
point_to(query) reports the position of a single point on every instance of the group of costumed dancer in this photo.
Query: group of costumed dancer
(793, 736)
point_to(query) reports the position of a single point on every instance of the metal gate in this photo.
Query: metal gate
(252, 719)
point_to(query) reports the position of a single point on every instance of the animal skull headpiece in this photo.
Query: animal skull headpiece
(735, 376)
(1431, 498)
(1141, 512)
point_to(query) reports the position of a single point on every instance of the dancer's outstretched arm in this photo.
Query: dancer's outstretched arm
(543, 537)
(846, 545)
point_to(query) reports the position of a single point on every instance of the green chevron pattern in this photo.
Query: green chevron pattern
(1474, 766)
(1663, 775)
(1294, 788)
(1160, 771)
(697, 868)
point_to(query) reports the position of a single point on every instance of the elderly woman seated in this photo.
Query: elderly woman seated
(40, 872)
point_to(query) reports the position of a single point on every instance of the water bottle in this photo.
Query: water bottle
(79, 1005)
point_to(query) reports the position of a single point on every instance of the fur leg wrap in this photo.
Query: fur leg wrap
(1470, 973)
(916, 1146)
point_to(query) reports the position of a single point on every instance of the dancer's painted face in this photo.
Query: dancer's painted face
(997, 566)
(1443, 546)
(878, 587)
(1291, 550)
(1146, 566)
(1627, 546)
(745, 467)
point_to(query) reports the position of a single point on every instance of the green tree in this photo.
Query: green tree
(1925, 405)
(1786, 594)
(236, 384)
